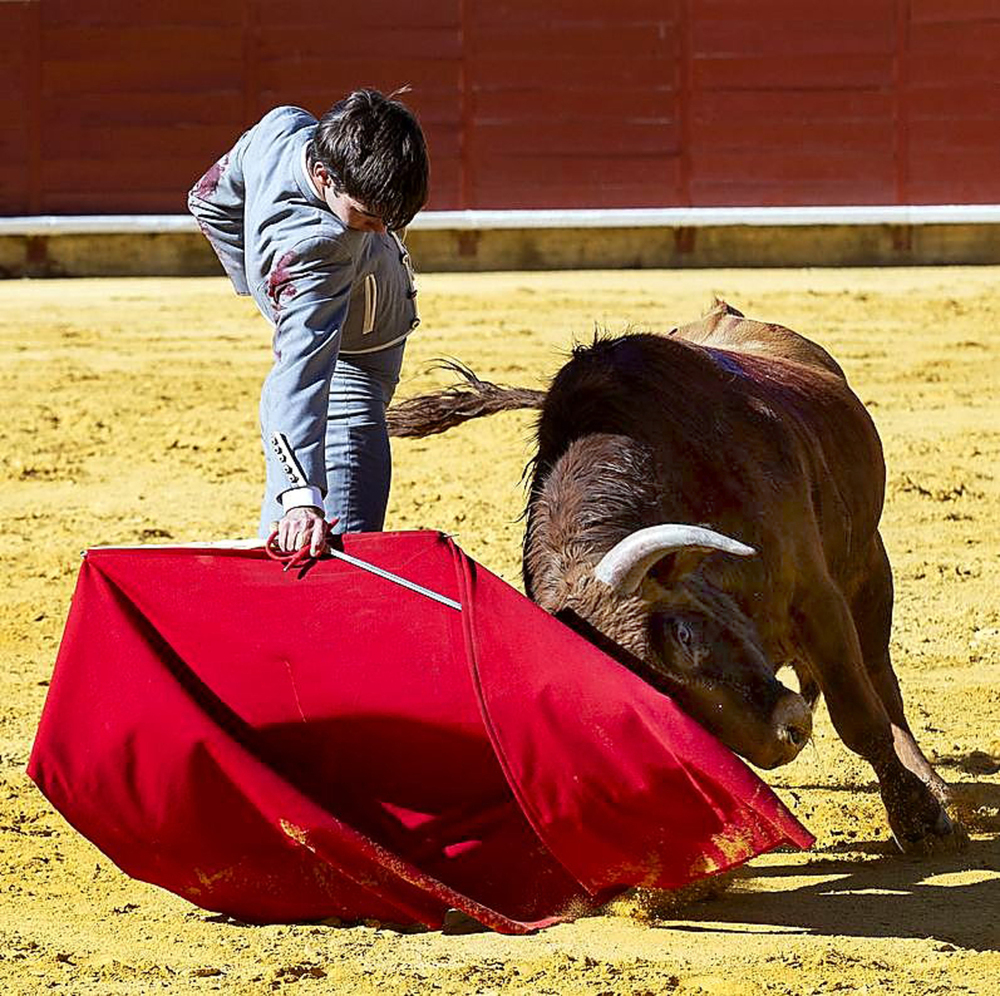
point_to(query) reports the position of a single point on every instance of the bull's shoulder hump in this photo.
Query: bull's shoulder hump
(765, 339)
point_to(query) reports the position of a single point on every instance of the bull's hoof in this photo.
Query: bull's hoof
(920, 824)
(944, 837)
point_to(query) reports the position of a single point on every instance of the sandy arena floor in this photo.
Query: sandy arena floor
(130, 415)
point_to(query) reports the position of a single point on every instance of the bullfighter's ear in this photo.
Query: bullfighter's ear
(672, 551)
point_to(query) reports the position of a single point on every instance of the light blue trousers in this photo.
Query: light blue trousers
(358, 460)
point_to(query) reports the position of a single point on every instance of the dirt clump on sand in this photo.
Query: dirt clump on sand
(130, 416)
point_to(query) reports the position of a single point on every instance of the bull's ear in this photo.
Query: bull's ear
(668, 552)
(722, 307)
(675, 566)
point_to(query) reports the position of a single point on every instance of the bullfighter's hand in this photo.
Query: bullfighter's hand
(302, 527)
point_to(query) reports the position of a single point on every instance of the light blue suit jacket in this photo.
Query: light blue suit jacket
(325, 288)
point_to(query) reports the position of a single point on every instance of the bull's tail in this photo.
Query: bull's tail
(427, 414)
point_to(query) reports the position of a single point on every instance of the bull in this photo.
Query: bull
(704, 506)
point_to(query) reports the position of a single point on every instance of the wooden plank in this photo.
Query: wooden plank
(596, 103)
(115, 201)
(13, 111)
(901, 112)
(13, 198)
(12, 174)
(982, 40)
(445, 182)
(946, 188)
(13, 40)
(249, 42)
(968, 101)
(514, 12)
(152, 44)
(18, 106)
(789, 11)
(794, 164)
(569, 72)
(871, 137)
(554, 41)
(188, 75)
(336, 22)
(223, 107)
(318, 102)
(284, 75)
(437, 109)
(739, 191)
(290, 43)
(661, 191)
(12, 151)
(442, 142)
(135, 171)
(770, 37)
(719, 107)
(943, 69)
(793, 72)
(151, 13)
(960, 134)
(108, 144)
(581, 170)
(562, 137)
(32, 93)
(949, 11)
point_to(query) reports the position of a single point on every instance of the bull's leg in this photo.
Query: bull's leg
(808, 686)
(825, 628)
(871, 609)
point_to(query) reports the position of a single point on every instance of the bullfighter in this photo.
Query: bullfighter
(308, 217)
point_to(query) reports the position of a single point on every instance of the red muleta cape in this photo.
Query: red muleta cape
(297, 746)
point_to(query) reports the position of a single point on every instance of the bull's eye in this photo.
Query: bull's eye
(683, 633)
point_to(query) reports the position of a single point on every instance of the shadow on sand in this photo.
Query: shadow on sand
(888, 896)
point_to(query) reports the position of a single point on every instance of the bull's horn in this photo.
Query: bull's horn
(625, 565)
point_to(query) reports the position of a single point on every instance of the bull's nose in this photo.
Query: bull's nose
(792, 719)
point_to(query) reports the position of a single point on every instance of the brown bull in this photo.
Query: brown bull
(705, 507)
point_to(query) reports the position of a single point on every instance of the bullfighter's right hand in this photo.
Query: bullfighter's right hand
(302, 527)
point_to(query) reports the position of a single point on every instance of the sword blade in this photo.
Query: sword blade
(396, 579)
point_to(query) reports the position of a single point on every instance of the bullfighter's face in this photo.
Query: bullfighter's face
(349, 210)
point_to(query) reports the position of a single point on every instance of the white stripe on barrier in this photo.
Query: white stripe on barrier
(429, 221)
(891, 214)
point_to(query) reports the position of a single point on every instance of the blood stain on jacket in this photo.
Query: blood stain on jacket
(209, 183)
(279, 284)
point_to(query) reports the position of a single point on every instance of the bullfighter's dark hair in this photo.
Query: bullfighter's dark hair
(374, 148)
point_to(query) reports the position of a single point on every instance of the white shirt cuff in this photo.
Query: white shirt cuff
(301, 497)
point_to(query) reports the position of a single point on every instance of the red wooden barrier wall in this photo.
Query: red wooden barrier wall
(114, 106)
